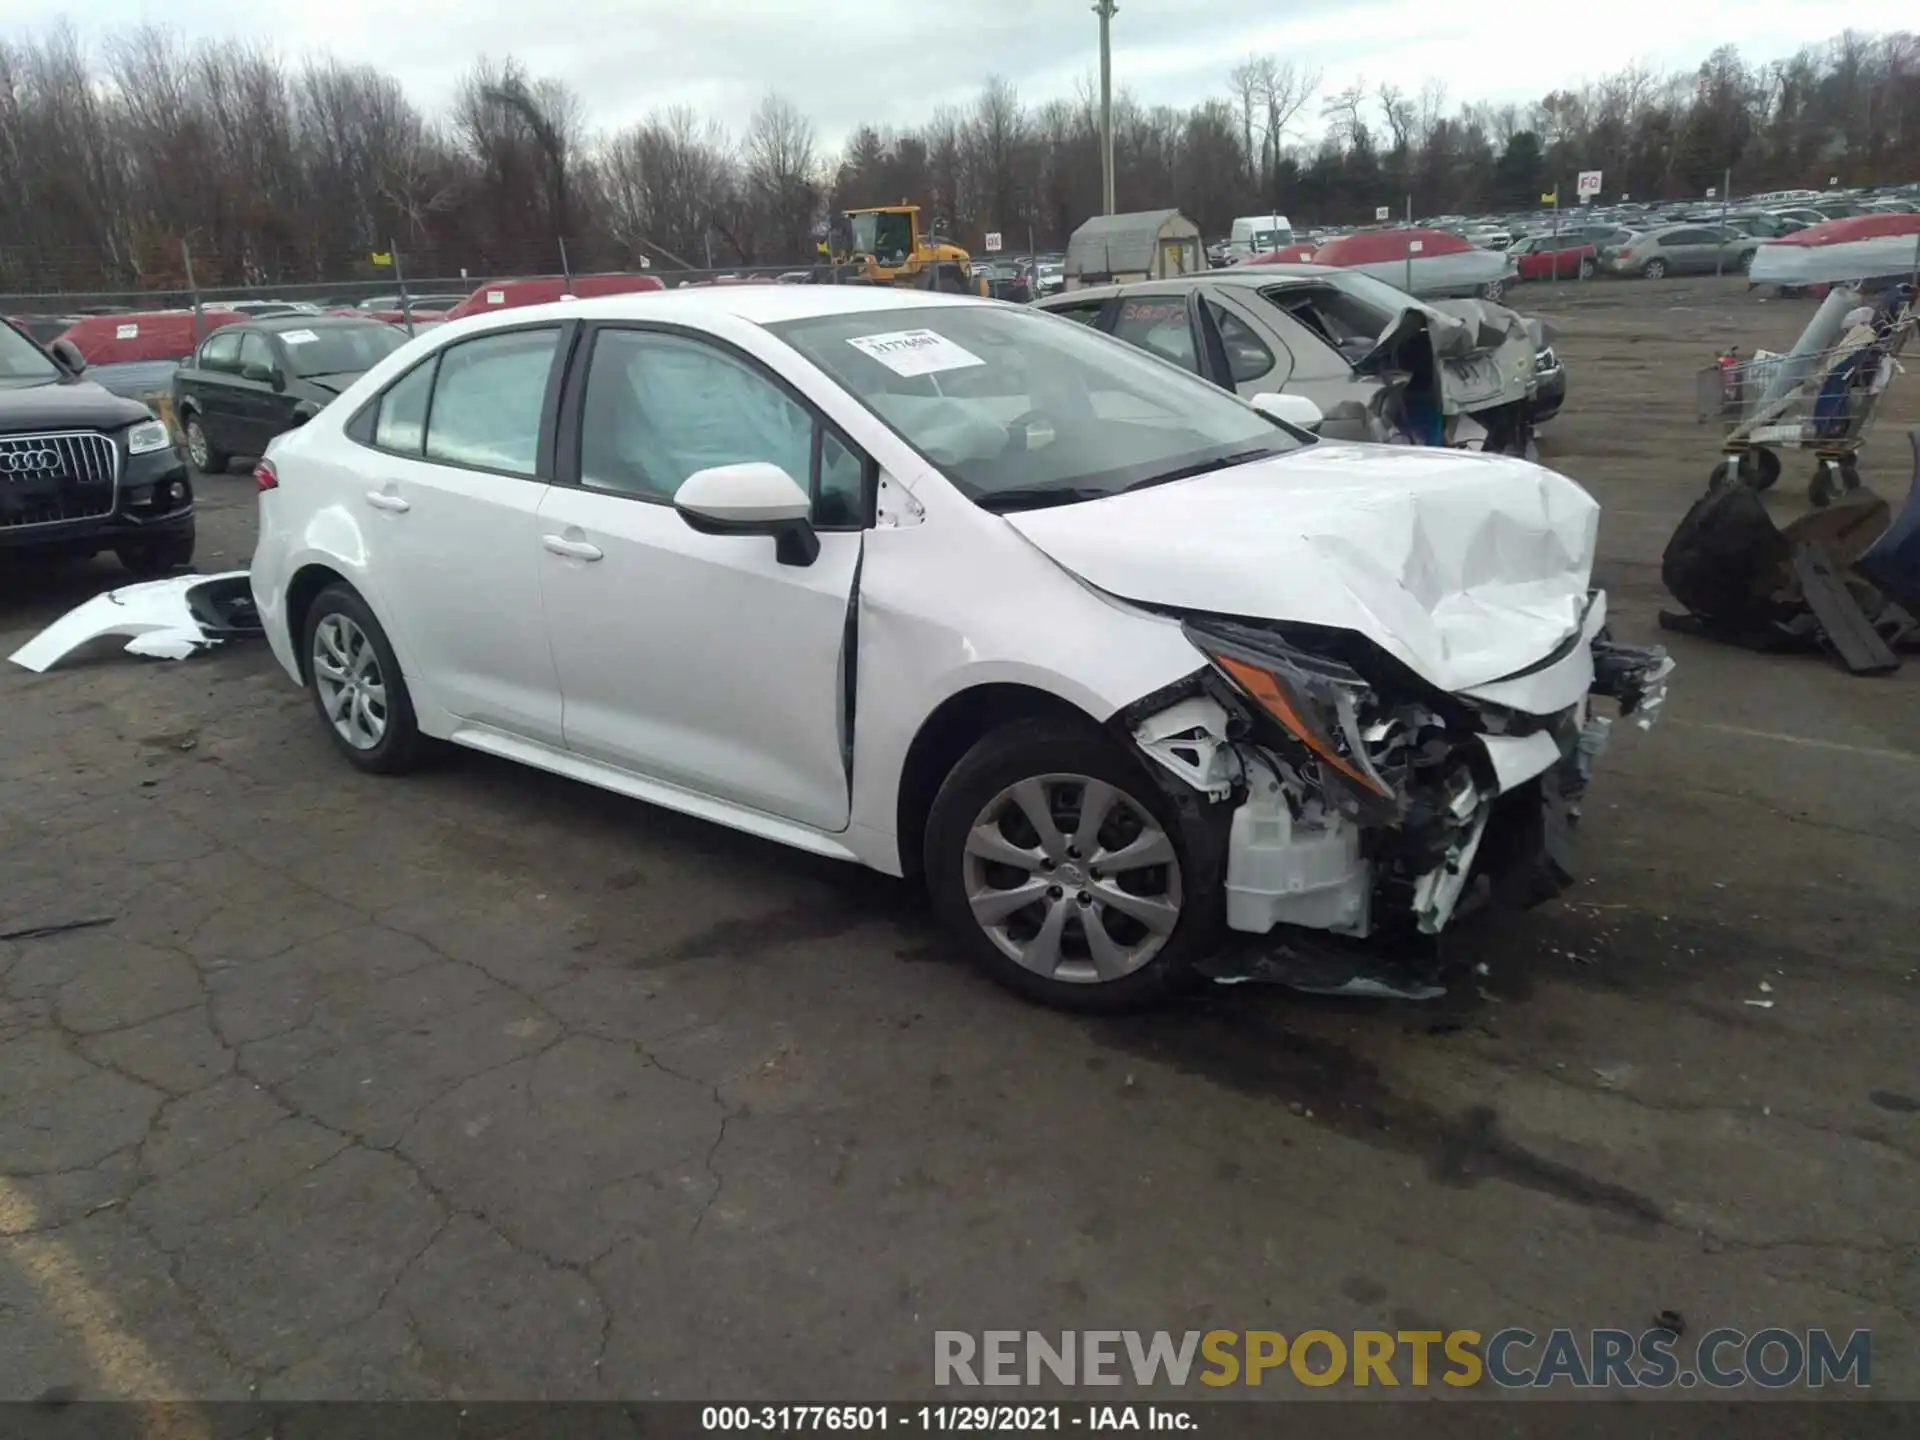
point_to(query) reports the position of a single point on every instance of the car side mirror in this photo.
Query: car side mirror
(755, 498)
(304, 411)
(67, 355)
(1295, 410)
(263, 375)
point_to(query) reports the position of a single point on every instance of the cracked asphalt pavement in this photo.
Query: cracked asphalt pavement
(486, 1084)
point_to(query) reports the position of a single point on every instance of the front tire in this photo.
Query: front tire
(357, 686)
(1586, 269)
(1493, 290)
(200, 450)
(1066, 872)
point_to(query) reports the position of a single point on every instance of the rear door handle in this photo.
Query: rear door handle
(382, 500)
(572, 549)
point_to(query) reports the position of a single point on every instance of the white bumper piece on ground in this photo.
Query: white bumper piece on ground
(163, 619)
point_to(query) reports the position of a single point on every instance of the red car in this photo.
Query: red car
(1546, 257)
(511, 294)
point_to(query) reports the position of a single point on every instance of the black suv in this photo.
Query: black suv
(249, 382)
(83, 470)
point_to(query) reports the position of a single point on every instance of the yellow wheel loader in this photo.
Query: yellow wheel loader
(884, 245)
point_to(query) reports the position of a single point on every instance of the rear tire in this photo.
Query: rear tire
(357, 687)
(1071, 945)
(200, 450)
(1655, 270)
(1586, 269)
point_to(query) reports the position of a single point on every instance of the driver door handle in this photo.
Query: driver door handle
(386, 500)
(572, 549)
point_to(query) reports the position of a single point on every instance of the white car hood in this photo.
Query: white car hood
(1467, 567)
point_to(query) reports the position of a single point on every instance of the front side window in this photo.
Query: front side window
(488, 397)
(1086, 313)
(659, 407)
(1018, 411)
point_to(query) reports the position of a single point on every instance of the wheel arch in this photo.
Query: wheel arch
(948, 733)
(302, 590)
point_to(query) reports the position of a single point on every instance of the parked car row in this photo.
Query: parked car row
(1568, 243)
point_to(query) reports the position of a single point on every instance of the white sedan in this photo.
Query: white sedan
(947, 587)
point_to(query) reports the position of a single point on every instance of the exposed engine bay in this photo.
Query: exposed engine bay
(1361, 801)
(1457, 373)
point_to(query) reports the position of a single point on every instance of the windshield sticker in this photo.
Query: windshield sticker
(496, 297)
(915, 352)
(297, 337)
(126, 332)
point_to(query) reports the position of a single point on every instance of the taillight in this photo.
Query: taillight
(1624, 252)
(265, 476)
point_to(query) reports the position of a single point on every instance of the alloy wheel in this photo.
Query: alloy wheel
(197, 448)
(346, 671)
(1072, 878)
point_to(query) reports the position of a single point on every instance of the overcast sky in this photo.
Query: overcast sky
(892, 62)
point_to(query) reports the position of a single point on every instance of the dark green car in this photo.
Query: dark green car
(249, 382)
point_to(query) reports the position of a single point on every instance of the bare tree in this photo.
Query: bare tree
(780, 165)
(111, 157)
(1249, 99)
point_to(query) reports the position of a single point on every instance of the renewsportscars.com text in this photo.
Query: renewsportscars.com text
(1513, 1358)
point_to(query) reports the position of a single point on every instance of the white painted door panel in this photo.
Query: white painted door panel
(458, 555)
(698, 659)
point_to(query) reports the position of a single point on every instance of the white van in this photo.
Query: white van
(1258, 234)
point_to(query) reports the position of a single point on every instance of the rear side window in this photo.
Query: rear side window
(1248, 357)
(255, 351)
(1158, 324)
(402, 422)
(222, 351)
(488, 397)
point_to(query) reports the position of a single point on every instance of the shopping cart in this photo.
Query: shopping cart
(1818, 400)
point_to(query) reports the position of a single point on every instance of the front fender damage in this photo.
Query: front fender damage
(1326, 894)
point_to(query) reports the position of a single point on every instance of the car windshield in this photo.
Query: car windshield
(340, 349)
(22, 362)
(881, 234)
(1272, 239)
(1020, 410)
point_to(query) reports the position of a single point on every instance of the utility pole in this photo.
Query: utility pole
(1106, 9)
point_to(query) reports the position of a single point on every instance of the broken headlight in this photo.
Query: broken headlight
(1317, 702)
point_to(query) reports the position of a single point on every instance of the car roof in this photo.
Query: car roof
(275, 324)
(1252, 275)
(755, 304)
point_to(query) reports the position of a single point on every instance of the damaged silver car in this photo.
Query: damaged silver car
(1380, 364)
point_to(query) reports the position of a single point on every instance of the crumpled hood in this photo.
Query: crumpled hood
(1467, 567)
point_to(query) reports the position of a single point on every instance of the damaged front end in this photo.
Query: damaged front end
(1362, 804)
